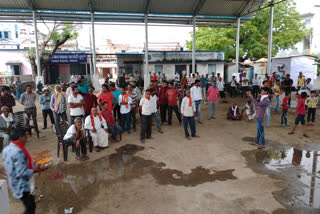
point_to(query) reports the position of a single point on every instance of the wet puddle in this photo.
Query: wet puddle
(75, 185)
(298, 168)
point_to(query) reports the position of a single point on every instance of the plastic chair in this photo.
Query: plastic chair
(65, 143)
(21, 123)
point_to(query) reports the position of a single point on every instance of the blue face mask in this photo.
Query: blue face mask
(214, 86)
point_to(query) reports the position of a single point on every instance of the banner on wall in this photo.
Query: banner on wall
(67, 58)
(178, 56)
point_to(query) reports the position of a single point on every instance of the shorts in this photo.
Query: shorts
(222, 94)
(301, 119)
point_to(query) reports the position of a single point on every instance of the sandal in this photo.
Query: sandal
(291, 133)
(306, 136)
(261, 147)
(85, 157)
(97, 149)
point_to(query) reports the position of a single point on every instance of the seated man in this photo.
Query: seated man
(234, 112)
(7, 123)
(76, 134)
(250, 111)
(99, 134)
(113, 128)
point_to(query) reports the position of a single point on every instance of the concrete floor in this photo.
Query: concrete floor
(169, 174)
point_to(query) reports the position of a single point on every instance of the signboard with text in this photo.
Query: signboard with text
(185, 56)
(68, 58)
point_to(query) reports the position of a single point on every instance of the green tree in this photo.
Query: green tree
(288, 30)
(51, 37)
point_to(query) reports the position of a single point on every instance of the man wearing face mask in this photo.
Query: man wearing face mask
(212, 99)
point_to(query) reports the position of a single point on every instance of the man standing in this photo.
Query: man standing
(7, 123)
(262, 106)
(220, 85)
(301, 80)
(58, 105)
(213, 98)
(83, 87)
(255, 86)
(76, 103)
(155, 114)
(245, 82)
(125, 103)
(7, 99)
(172, 94)
(196, 97)
(163, 102)
(116, 93)
(203, 84)
(45, 100)
(28, 100)
(146, 117)
(277, 93)
(18, 85)
(134, 106)
(106, 96)
(98, 129)
(19, 167)
(73, 78)
(270, 95)
(188, 112)
(90, 101)
(287, 85)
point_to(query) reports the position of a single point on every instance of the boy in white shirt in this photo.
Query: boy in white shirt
(146, 106)
(76, 103)
(125, 103)
(188, 112)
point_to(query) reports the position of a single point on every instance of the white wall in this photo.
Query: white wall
(169, 71)
(202, 69)
(220, 69)
(305, 65)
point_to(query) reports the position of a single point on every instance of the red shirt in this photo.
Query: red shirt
(156, 90)
(108, 116)
(213, 94)
(163, 99)
(301, 107)
(107, 98)
(285, 103)
(89, 101)
(172, 96)
(154, 78)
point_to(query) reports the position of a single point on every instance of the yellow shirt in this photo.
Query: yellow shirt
(301, 81)
(276, 90)
(311, 102)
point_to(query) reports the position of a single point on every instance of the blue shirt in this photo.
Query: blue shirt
(16, 165)
(203, 82)
(84, 88)
(116, 94)
(43, 101)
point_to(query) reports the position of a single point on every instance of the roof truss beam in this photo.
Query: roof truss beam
(198, 7)
(147, 8)
(31, 4)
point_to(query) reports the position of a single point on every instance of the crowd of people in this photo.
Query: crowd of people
(114, 111)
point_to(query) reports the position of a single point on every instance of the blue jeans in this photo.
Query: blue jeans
(260, 130)
(18, 93)
(268, 114)
(284, 117)
(198, 109)
(189, 121)
(277, 105)
(157, 119)
(125, 122)
(115, 130)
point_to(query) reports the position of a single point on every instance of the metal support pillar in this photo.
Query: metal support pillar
(194, 44)
(146, 54)
(270, 40)
(93, 43)
(37, 45)
(238, 44)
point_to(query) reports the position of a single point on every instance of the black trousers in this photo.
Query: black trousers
(146, 126)
(116, 112)
(163, 112)
(29, 203)
(311, 114)
(255, 91)
(133, 118)
(175, 109)
(45, 114)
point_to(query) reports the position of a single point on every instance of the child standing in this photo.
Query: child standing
(311, 103)
(285, 107)
(300, 113)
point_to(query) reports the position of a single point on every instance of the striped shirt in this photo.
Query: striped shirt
(262, 106)
(28, 100)
(7, 101)
(134, 98)
(58, 108)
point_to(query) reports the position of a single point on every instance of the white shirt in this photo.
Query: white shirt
(186, 110)
(147, 106)
(73, 79)
(233, 83)
(71, 130)
(97, 123)
(196, 93)
(75, 111)
(123, 108)
(220, 85)
(245, 83)
(154, 100)
(255, 81)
